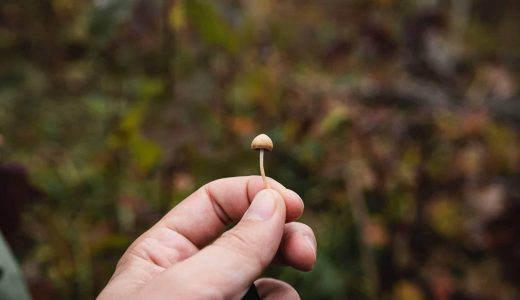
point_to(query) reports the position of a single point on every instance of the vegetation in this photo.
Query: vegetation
(397, 121)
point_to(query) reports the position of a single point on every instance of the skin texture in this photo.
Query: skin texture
(189, 254)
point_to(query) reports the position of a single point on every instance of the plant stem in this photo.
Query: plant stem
(262, 169)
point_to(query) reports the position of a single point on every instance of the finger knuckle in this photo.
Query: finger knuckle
(241, 245)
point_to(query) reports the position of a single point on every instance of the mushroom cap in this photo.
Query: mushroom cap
(262, 141)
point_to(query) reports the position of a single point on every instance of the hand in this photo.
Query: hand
(189, 255)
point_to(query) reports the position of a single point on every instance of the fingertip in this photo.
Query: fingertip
(298, 248)
(293, 202)
(299, 206)
(312, 247)
(305, 253)
(264, 206)
(271, 289)
(295, 205)
(274, 194)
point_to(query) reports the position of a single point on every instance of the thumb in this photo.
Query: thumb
(226, 268)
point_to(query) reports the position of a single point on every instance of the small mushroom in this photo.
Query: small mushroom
(260, 143)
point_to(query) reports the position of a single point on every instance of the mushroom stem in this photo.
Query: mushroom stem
(262, 169)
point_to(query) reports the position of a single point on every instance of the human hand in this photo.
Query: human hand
(189, 254)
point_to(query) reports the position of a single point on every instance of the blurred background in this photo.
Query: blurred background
(397, 121)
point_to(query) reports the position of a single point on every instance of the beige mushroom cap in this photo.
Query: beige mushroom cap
(262, 141)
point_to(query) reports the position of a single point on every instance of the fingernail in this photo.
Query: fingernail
(311, 242)
(263, 206)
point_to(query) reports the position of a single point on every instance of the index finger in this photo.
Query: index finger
(206, 213)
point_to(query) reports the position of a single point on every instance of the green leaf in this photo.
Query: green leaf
(145, 152)
(334, 120)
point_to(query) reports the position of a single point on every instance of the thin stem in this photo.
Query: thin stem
(262, 169)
